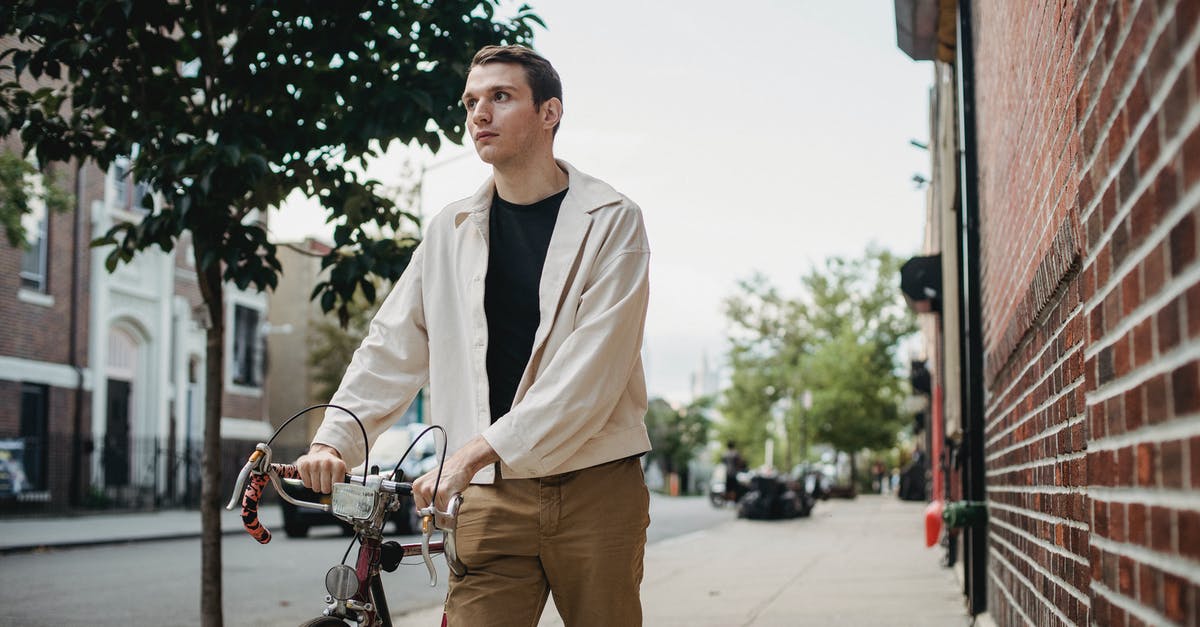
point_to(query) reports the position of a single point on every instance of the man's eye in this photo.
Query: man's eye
(469, 104)
(501, 96)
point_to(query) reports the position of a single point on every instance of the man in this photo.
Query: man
(523, 309)
(734, 464)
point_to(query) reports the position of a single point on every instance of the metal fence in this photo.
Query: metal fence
(47, 477)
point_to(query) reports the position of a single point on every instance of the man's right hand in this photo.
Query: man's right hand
(321, 467)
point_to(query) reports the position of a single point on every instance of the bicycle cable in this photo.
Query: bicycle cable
(366, 442)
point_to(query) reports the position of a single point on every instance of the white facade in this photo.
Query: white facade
(147, 359)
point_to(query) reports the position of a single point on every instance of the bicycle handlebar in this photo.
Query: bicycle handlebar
(259, 469)
(252, 495)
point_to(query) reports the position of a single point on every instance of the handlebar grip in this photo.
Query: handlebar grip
(252, 495)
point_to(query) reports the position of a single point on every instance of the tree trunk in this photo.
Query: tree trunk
(210, 492)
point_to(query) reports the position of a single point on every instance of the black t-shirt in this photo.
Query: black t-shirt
(519, 239)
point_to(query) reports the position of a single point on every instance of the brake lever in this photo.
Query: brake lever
(427, 531)
(447, 523)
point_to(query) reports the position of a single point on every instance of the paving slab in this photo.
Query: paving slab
(859, 562)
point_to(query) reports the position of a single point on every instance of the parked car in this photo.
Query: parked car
(385, 454)
(817, 479)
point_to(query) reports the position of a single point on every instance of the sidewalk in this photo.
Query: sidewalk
(860, 562)
(32, 534)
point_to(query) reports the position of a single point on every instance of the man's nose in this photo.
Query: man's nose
(482, 113)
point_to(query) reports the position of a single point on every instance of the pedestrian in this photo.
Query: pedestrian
(523, 309)
(734, 463)
(877, 475)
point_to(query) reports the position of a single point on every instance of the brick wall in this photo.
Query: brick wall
(35, 326)
(1089, 137)
(18, 317)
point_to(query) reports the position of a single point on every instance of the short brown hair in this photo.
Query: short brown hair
(542, 77)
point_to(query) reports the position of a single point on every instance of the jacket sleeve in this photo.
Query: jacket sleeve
(576, 392)
(387, 371)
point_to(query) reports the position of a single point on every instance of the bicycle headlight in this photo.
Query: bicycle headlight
(353, 501)
(342, 582)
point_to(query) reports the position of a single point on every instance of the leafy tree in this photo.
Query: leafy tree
(225, 108)
(838, 341)
(334, 345)
(854, 370)
(769, 337)
(676, 435)
(20, 192)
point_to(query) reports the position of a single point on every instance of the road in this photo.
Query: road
(281, 583)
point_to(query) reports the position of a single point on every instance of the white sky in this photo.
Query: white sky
(756, 136)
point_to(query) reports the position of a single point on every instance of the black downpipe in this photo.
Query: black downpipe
(975, 551)
(75, 494)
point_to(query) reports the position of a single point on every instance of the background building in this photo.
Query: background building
(1066, 357)
(46, 384)
(102, 374)
(293, 320)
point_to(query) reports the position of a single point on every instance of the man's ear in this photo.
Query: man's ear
(552, 111)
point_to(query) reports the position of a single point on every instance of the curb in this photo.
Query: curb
(79, 544)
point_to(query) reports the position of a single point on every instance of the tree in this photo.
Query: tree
(334, 344)
(224, 108)
(770, 334)
(854, 370)
(838, 341)
(676, 435)
(21, 192)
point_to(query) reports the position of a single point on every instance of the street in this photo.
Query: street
(281, 583)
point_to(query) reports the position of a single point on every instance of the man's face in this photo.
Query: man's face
(501, 118)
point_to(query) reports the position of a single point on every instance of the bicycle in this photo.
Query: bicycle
(363, 501)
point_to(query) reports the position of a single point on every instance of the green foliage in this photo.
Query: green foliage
(677, 435)
(227, 107)
(18, 196)
(838, 341)
(333, 345)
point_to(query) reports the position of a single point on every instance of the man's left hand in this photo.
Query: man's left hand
(456, 474)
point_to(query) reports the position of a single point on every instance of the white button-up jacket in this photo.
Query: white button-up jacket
(582, 398)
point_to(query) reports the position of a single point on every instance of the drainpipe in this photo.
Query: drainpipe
(975, 552)
(76, 487)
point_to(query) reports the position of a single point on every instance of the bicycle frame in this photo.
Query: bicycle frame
(364, 502)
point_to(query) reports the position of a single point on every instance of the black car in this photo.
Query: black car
(385, 454)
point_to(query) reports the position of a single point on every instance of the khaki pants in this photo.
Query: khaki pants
(580, 536)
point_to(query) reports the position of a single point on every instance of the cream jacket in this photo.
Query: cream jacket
(582, 398)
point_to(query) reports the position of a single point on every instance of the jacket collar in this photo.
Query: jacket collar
(585, 194)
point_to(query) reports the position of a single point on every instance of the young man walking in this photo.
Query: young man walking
(523, 309)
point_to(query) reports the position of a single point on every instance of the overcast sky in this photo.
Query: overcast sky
(757, 136)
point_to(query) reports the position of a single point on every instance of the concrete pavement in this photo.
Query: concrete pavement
(860, 562)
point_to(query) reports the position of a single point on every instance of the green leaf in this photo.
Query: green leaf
(21, 58)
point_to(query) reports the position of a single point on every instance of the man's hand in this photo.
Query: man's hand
(321, 467)
(456, 474)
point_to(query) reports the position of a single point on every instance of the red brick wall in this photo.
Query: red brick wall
(1089, 136)
(39, 332)
(18, 319)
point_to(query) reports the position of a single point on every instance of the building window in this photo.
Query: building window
(34, 257)
(247, 347)
(130, 196)
(35, 417)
